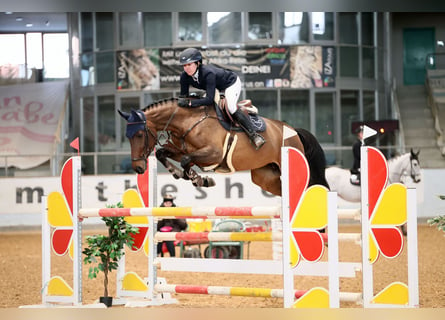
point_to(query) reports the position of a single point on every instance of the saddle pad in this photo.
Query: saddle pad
(258, 122)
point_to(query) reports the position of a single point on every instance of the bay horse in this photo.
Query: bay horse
(196, 137)
(399, 168)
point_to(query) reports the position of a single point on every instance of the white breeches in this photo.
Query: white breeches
(232, 95)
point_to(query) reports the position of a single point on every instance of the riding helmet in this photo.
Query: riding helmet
(168, 197)
(190, 55)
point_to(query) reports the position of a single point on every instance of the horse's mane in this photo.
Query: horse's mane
(159, 103)
(398, 156)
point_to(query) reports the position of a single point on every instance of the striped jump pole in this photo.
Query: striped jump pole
(241, 236)
(247, 291)
(184, 212)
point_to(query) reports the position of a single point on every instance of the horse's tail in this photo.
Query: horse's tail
(315, 157)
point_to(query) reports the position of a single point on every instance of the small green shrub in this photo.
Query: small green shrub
(438, 221)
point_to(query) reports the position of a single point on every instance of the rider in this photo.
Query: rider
(355, 170)
(209, 78)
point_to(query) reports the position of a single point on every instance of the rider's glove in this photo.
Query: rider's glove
(183, 102)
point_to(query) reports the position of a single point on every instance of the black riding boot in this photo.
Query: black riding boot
(256, 139)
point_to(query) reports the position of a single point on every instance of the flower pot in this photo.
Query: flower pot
(108, 301)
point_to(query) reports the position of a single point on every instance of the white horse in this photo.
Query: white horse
(398, 167)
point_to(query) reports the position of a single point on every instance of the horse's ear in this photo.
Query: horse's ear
(415, 155)
(138, 114)
(124, 114)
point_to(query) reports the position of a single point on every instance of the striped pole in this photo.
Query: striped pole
(185, 212)
(225, 291)
(241, 236)
(244, 292)
(218, 236)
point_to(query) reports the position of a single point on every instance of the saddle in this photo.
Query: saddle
(247, 107)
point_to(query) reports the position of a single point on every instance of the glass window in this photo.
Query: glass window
(87, 143)
(88, 124)
(157, 29)
(293, 27)
(104, 30)
(349, 62)
(86, 22)
(323, 26)
(105, 67)
(87, 69)
(367, 28)
(56, 55)
(129, 35)
(106, 123)
(13, 49)
(295, 108)
(348, 26)
(224, 27)
(349, 100)
(34, 58)
(190, 26)
(260, 25)
(368, 63)
(265, 101)
(368, 105)
(324, 117)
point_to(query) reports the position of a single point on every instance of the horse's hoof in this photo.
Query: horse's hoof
(177, 174)
(197, 182)
(209, 182)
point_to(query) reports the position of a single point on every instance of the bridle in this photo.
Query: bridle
(413, 172)
(147, 132)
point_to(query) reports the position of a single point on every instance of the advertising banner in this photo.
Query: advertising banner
(258, 67)
(30, 119)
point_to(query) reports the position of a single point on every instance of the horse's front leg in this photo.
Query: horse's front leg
(162, 154)
(202, 157)
(190, 173)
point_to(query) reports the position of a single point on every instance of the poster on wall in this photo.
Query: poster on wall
(258, 67)
(138, 69)
(31, 116)
(312, 67)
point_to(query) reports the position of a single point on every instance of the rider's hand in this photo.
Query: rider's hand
(183, 102)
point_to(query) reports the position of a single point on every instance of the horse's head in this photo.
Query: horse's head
(415, 166)
(142, 139)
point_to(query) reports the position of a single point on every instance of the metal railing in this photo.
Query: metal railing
(435, 87)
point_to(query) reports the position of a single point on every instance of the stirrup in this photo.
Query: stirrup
(257, 140)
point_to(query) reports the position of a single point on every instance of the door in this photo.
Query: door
(417, 44)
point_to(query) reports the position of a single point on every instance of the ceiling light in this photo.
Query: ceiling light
(29, 25)
(19, 19)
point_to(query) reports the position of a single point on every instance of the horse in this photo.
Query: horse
(197, 137)
(399, 168)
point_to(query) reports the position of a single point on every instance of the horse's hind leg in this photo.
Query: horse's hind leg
(268, 178)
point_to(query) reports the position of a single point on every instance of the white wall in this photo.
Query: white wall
(230, 190)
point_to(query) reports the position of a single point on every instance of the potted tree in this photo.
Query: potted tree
(104, 251)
